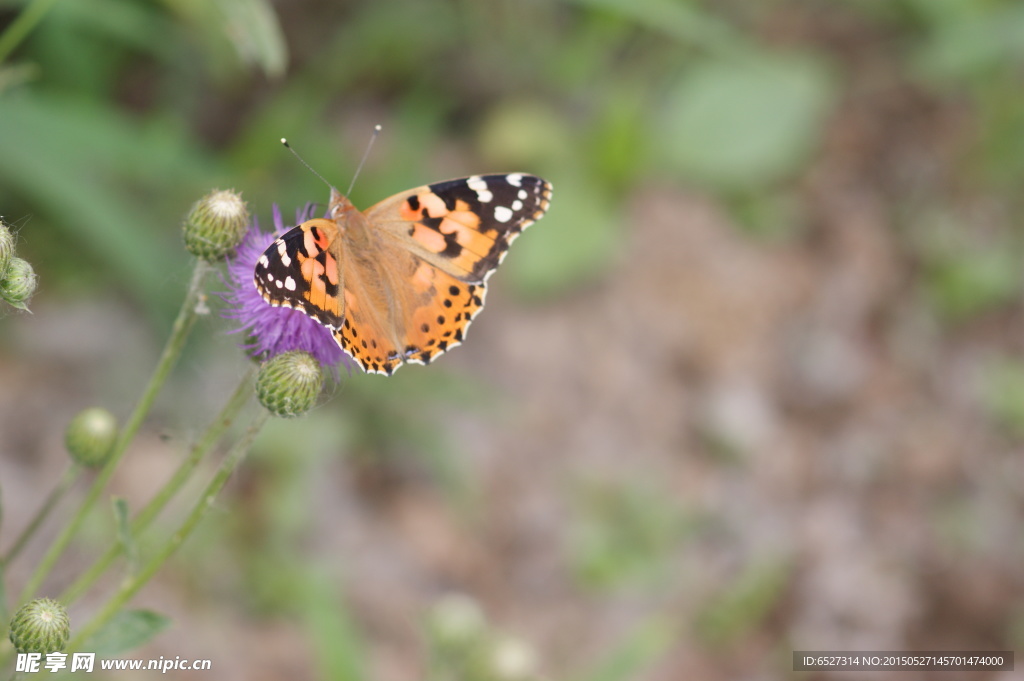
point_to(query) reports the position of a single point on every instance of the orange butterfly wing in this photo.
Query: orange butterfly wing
(401, 282)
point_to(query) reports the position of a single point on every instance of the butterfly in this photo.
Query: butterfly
(400, 282)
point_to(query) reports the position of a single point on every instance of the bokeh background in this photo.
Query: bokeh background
(753, 385)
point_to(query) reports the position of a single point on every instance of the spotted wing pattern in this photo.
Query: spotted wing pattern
(401, 282)
(464, 226)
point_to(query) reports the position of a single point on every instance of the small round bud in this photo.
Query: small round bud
(457, 621)
(40, 626)
(289, 384)
(513, 660)
(18, 283)
(90, 436)
(216, 225)
(6, 247)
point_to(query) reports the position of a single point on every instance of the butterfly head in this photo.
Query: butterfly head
(339, 205)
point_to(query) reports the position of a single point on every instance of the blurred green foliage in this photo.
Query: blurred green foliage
(745, 602)
(463, 646)
(126, 631)
(334, 638)
(125, 111)
(964, 272)
(636, 651)
(627, 534)
(1003, 394)
(133, 109)
(736, 125)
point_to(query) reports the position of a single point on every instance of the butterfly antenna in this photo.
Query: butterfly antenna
(303, 162)
(366, 154)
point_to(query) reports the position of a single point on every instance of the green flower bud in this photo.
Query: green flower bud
(6, 247)
(216, 225)
(90, 436)
(18, 283)
(40, 626)
(457, 622)
(289, 384)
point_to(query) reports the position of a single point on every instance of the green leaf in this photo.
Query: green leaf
(742, 124)
(22, 26)
(126, 631)
(249, 28)
(124, 532)
(253, 29)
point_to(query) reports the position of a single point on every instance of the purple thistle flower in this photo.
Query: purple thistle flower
(270, 330)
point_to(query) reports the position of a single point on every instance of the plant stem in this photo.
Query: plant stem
(5, 615)
(22, 26)
(148, 513)
(71, 474)
(172, 350)
(202, 507)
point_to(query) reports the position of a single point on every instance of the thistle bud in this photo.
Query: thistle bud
(289, 384)
(40, 626)
(216, 225)
(6, 247)
(18, 283)
(90, 437)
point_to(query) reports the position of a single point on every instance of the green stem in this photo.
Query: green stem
(148, 513)
(5, 615)
(22, 26)
(172, 350)
(70, 475)
(202, 507)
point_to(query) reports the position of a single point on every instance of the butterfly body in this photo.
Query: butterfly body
(401, 282)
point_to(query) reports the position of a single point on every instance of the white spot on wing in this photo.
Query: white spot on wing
(517, 205)
(502, 214)
(515, 179)
(477, 184)
(289, 284)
